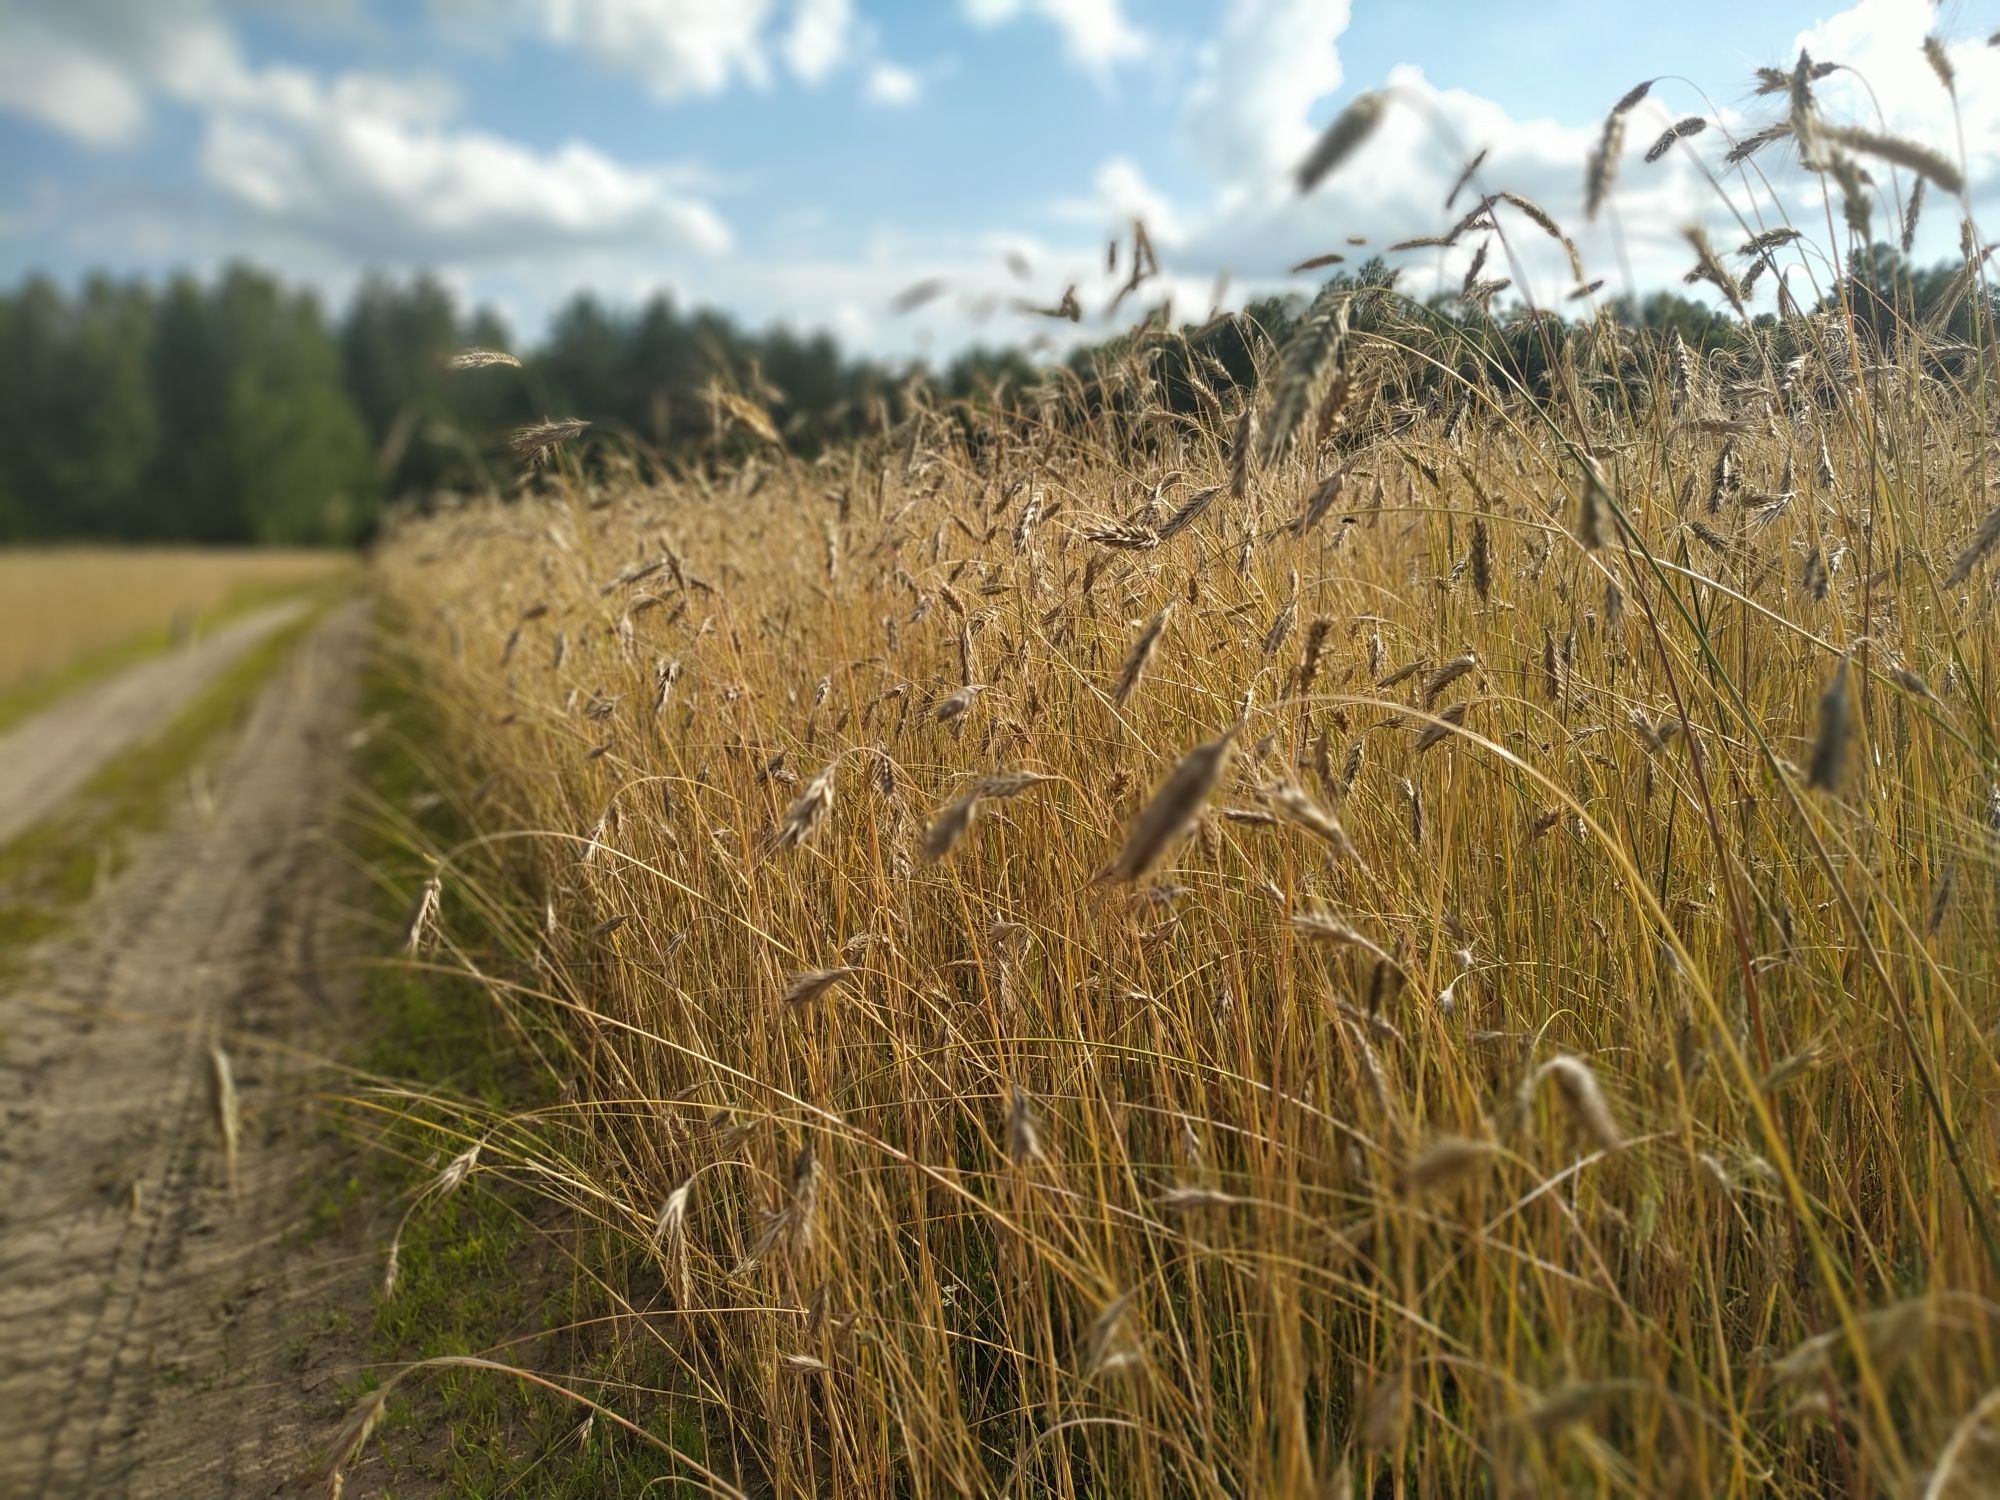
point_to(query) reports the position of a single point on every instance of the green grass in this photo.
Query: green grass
(52, 868)
(475, 1271)
(26, 699)
(482, 1271)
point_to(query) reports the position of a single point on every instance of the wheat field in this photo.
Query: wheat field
(62, 606)
(1395, 931)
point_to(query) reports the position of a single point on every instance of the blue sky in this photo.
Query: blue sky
(803, 160)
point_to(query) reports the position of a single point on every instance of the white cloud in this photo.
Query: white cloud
(820, 38)
(88, 67)
(119, 58)
(683, 49)
(1120, 193)
(321, 174)
(371, 166)
(891, 86)
(383, 185)
(1272, 76)
(1256, 80)
(1394, 188)
(1882, 41)
(377, 166)
(1095, 33)
(677, 48)
(51, 79)
(1261, 92)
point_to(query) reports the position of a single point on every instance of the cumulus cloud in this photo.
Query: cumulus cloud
(383, 183)
(1267, 65)
(677, 48)
(331, 172)
(820, 38)
(684, 49)
(1882, 42)
(1394, 189)
(1119, 194)
(88, 68)
(1271, 76)
(53, 80)
(1095, 33)
(369, 165)
(891, 86)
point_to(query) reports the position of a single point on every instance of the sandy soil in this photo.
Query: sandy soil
(163, 1336)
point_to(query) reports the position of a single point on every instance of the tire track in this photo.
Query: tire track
(160, 1336)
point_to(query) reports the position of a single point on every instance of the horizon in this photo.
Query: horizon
(801, 165)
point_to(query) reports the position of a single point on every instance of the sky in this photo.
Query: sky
(804, 161)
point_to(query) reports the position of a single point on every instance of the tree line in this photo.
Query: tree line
(238, 411)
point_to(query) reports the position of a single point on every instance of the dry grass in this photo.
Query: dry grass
(62, 606)
(1550, 1053)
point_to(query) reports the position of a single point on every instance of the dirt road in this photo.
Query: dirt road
(158, 1335)
(45, 760)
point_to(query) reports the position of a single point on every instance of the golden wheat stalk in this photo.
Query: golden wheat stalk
(1174, 807)
(1680, 130)
(806, 813)
(1602, 168)
(480, 359)
(1134, 665)
(1829, 755)
(1340, 140)
(227, 1110)
(534, 444)
(1913, 155)
(1306, 372)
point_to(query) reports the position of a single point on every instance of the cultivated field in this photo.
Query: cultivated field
(1421, 926)
(62, 606)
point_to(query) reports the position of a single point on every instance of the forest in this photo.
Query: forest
(240, 411)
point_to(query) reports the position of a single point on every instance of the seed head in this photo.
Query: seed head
(1829, 757)
(534, 444)
(1350, 128)
(1175, 805)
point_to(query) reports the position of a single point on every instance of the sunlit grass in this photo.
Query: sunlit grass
(1554, 1056)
